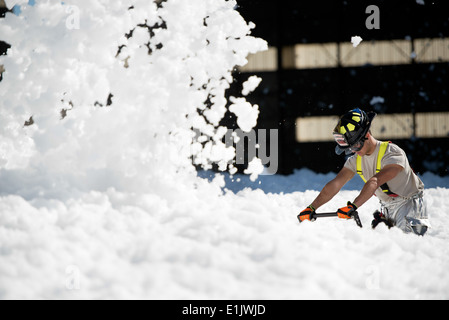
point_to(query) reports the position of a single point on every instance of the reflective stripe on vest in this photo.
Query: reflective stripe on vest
(382, 150)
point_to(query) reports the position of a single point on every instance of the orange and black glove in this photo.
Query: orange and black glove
(348, 211)
(307, 214)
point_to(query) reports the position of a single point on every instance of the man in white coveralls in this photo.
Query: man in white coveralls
(387, 174)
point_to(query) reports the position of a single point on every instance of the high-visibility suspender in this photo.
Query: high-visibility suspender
(382, 150)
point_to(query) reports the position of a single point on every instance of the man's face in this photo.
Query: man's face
(363, 151)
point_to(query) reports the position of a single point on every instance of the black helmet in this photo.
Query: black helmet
(351, 130)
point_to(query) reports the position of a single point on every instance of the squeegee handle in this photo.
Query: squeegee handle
(334, 214)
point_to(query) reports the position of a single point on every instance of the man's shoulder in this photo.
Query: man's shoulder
(351, 162)
(395, 155)
(352, 157)
(394, 148)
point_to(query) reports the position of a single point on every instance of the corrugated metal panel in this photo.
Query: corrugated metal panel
(432, 125)
(313, 129)
(376, 53)
(323, 55)
(385, 126)
(262, 61)
(393, 126)
(432, 50)
(289, 57)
